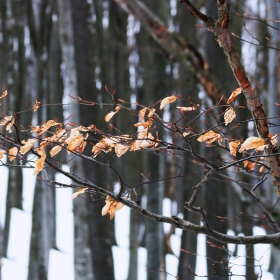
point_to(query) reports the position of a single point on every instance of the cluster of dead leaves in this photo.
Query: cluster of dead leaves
(209, 137)
(9, 121)
(111, 207)
(252, 143)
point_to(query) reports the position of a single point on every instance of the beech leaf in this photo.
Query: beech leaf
(233, 147)
(2, 153)
(36, 106)
(5, 120)
(10, 125)
(229, 115)
(39, 163)
(251, 143)
(13, 153)
(167, 100)
(234, 94)
(111, 114)
(55, 150)
(27, 146)
(209, 137)
(78, 192)
(111, 207)
(5, 93)
(43, 128)
(186, 109)
(274, 140)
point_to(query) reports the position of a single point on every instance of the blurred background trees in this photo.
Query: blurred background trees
(52, 50)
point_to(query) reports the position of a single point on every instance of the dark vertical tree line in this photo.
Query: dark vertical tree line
(54, 51)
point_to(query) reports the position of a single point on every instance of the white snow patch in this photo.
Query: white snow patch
(61, 265)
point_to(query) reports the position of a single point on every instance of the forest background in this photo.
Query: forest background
(57, 51)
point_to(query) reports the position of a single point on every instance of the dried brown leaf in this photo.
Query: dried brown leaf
(36, 106)
(78, 192)
(111, 207)
(121, 149)
(144, 124)
(39, 163)
(274, 140)
(45, 127)
(59, 136)
(111, 114)
(76, 142)
(233, 147)
(10, 125)
(101, 146)
(186, 134)
(234, 94)
(5, 93)
(55, 150)
(167, 100)
(142, 114)
(261, 148)
(2, 153)
(12, 153)
(186, 109)
(229, 115)
(261, 169)
(151, 113)
(251, 143)
(209, 137)
(27, 146)
(6, 119)
(251, 165)
(144, 140)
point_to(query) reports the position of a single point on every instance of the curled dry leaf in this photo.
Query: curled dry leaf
(209, 137)
(251, 143)
(13, 153)
(229, 115)
(10, 125)
(234, 94)
(5, 93)
(111, 114)
(144, 124)
(261, 148)
(6, 119)
(186, 134)
(55, 150)
(43, 128)
(59, 136)
(2, 153)
(121, 149)
(36, 106)
(111, 207)
(167, 100)
(142, 114)
(27, 146)
(99, 147)
(186, 109)
(78, 192)
(274, 140)
(144, 140)
(39, 163)
(251, 165)
(77, 143)
(261, 169)
(151, 113)
(233, 147)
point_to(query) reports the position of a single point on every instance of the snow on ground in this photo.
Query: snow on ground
(15, 267)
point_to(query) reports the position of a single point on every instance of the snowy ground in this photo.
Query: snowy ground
(15, 267)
